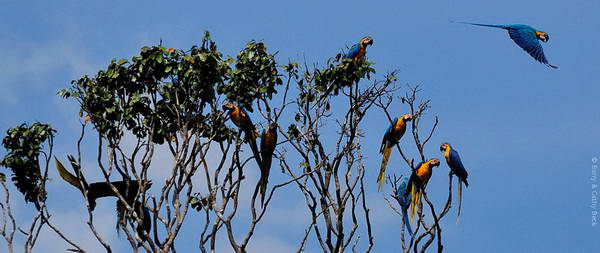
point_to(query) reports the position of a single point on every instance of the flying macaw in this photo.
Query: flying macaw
(457, 168)
(390, 139)
(268, 141)
(127, 190)
(358, 50)
(527, 38)
(404, 200)
(240, 117)
(418, 181)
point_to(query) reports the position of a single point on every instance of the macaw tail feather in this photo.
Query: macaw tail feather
(416, 201)
(406, 221)
(381, 178)
(267, 159)
(264, 181)
(263, 191)
(251, 135)
(459, 200)
(486, 25)
(66, 175)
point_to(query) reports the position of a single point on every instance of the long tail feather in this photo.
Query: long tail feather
(381, 178)
(459, 200)
(66, 175)
(406, 221)
(477, 24)
(415, 202)
(264, 176)
(263, 191)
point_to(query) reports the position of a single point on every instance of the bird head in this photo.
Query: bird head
(366, 41)
(444, 146)
(407, 117)
(434, 162)
(228, 107)
(542, 36)
(272, 127)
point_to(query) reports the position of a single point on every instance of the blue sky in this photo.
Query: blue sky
(527, 133)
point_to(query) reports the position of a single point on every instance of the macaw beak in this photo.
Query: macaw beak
(542, 36)
(226, 107)
(367, 41)
(435, 162)
(443, 148)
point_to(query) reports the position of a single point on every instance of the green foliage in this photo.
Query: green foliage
(160, 92)
(163, 91)
(341, 73)
(254, 77)
(24, 144)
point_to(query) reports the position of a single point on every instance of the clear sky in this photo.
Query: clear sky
(526, 133)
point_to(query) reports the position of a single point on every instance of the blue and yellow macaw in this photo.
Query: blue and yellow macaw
(268, 141)
(418, 181)
(527, 38)
(390, 139)
(404, 200)
(240, 117)
(457, 168)
(356, 53)
(358, 50)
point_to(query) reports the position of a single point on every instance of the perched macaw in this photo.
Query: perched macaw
(390, 139)
(404, 200)
(527, 38)
(268, 141)
(356, 53)
(418, 181)
(457, 168)
(240, 117)
(358, 50)
(127, 190)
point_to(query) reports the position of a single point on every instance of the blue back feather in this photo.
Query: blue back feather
(457, 166)
(247, 119)
(525, 37)
(353, 51)
(388, 139)
(404, 199)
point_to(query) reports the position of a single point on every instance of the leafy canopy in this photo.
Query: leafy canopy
(24, 145)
